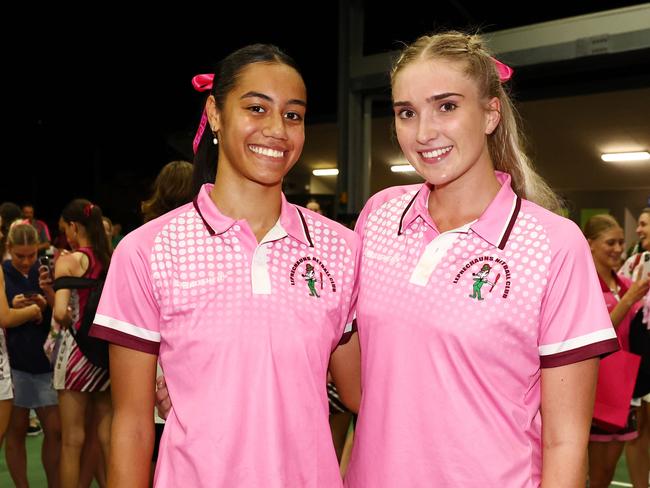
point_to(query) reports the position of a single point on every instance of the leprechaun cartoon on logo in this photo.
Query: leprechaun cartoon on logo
(317, 278)
(482, 277)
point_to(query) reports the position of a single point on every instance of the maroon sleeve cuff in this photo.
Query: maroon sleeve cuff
(600, 349)
(121, 339)
(345, 338)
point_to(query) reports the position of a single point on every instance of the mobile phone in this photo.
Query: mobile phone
(45, 262)
(31, 294)
(645, 267)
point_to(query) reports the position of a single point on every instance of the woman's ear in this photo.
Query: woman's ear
(213, 113)
(493, 115)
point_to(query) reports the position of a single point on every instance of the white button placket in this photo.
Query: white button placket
(260, 276)
(433, 253)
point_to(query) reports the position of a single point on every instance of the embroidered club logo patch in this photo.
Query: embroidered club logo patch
(314, 274)
(487, 274)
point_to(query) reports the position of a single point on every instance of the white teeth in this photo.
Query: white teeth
(265, 151)
(436, 153)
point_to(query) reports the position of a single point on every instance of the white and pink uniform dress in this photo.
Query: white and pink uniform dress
(244, 332)
(455, 328)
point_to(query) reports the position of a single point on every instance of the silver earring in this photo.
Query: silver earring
(215, 141)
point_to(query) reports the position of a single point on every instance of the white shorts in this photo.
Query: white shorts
(6, 387)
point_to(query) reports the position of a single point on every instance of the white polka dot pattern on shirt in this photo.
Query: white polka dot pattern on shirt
(196, 273)
(508, 313)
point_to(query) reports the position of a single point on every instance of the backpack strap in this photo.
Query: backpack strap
(74, 283)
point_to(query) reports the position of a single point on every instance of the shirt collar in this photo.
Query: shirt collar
(622, 287)
(494, 225)
(291, 222)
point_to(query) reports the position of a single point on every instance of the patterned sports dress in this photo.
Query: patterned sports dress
(73, 370)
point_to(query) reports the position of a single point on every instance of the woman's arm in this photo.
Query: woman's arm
(66, 265)
(132, 432)
(636, 292)
(12, 317)
(345, 368)
(568, 394)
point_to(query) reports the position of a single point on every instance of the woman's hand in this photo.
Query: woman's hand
(39, 300)
(637, 290)
(20, 301)
(163, 402)
(36, 312)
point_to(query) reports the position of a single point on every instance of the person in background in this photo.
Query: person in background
(9, 317)
(30, 369)
(636, 252)
(637, 451)
(117, 234)
(108, 229)
(314, 206)
(9, 212)
(81, 385)
(40, 226)
(622, 297)
(171, 189)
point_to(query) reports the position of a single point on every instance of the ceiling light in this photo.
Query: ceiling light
(625, 156)
(402, 168)
(325, 172)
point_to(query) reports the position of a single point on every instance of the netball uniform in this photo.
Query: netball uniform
(454, 330)
(244, 332)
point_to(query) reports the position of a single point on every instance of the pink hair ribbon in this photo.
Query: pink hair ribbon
(505, 71)
(201, 83)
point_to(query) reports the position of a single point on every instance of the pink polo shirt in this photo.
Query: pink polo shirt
(244, 332)
(454, 330)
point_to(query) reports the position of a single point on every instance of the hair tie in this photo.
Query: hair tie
(505, 72)
(88, 209)
(201, 83)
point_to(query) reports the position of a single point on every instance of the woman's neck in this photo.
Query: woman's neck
(464, 199)
(258, 204)
(607, 275)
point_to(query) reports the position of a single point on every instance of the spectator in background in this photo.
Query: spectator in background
(622, 297)
(40, 226)
(61, 241)
(314, 206)
(9, 212)
(172, 188)
(636, 251)
(30, 369)
(9, 317)
(117, 234)
(80, 383)
(637, 451)
(108, 229)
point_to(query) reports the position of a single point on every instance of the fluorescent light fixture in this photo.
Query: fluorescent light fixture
(402, 168)
(325, 172)
(625, 156)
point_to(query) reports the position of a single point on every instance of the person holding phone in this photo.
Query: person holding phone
(9, 317)
(637, 451)
(31, 371)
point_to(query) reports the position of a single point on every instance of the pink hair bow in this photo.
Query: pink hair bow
(201, 83)
(505, 71)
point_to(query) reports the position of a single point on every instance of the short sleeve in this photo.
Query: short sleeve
(128, 312)
(350, 313)
(574, 322)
